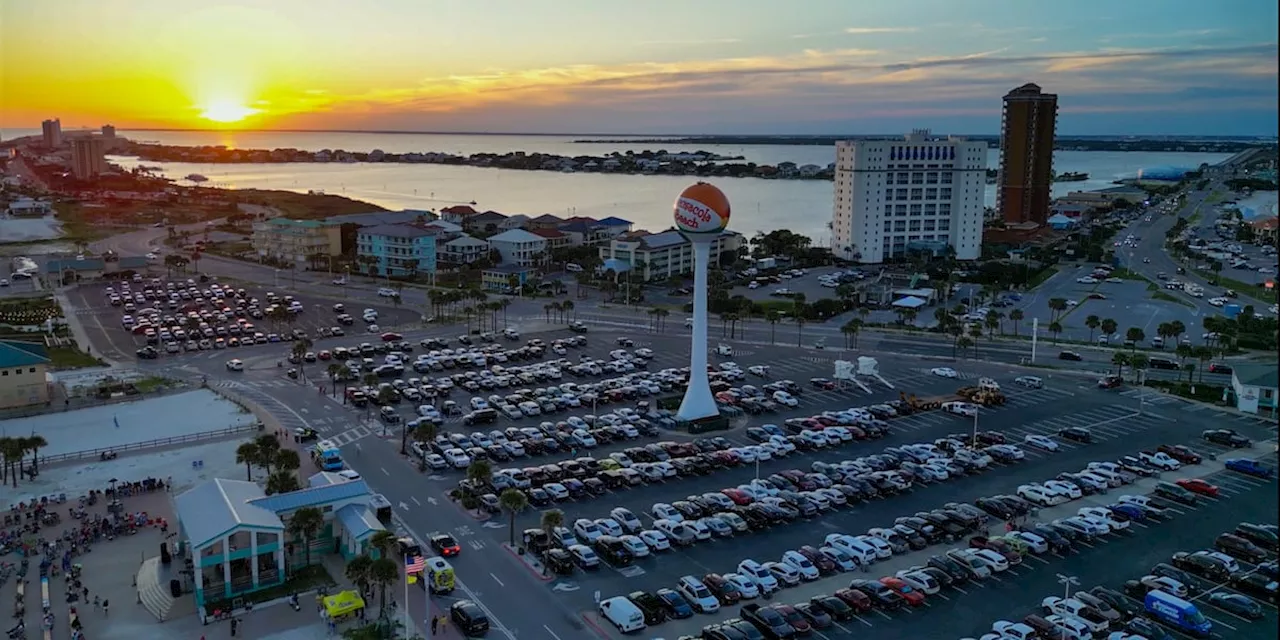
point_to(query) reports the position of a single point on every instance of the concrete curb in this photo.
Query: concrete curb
(539, 573)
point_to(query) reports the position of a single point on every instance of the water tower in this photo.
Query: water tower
(701, 214)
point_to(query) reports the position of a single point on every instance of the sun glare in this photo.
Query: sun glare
(225, 112)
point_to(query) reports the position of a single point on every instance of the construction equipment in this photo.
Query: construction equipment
(983, 396)
(920, 404)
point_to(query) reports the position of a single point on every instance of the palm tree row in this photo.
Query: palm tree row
(950, 322)
(365, 570)
(279, 462)
(658, 318)
(15, 450)
(560, 310)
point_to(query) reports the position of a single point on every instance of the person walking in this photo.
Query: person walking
(96, 601)
(444, 623)
(105, 604)
(435, 624)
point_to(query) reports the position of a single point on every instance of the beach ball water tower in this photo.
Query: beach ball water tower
(701, 214)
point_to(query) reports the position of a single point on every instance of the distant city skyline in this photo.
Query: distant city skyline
(663, 67)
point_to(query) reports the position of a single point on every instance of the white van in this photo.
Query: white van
(387, 292)
(623, 613)
(573, 268)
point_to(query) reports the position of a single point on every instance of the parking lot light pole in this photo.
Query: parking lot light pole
(1142, 386)
(973, 441)
(1067, 582)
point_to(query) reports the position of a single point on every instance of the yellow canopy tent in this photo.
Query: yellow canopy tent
(342, 604)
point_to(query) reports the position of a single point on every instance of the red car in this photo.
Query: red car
(324, 355)
(854, 598)
(1181, 453)
(445, 545)
(738, 496)
(913, 597)
(391, 337)
(1196, 485)
(794, 618)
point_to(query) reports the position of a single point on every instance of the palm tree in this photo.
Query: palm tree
(335, 370)
(1055, 328)
(1121, 360)
(909, 316)
(963, 343)
(850, 330)
(974, 334)
(1093, 322)
(358, 571)
(551, 518)
(1138, 362)
(662, 318)
(33, 444)
(480, 472)
(1176, 329)
(773, 318)
(513, 501)
(282, 482)
(306, 524)
(992, 321)
(1109, 327)
(1204, 355)
(1016, 316)
(383, 541)
(384, 572)
(1056, 307)
(1134, 335)
(1183, 351)
(568, 307)
(249, 455)
(423, 433)
(546, 310)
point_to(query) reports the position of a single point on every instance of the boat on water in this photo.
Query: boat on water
(1071, 176)
(195, 177)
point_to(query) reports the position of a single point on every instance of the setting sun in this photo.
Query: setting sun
(227, 112)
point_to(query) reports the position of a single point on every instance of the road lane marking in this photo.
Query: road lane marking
(495, 579)
(384, 471)
(553, 634)
(415, 500)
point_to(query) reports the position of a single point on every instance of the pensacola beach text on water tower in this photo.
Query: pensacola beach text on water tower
(701, 214)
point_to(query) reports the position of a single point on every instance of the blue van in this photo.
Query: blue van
(327, 456)
(1177, 613)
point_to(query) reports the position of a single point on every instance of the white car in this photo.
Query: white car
(1103, 516)
(627, 519)
(698, 595)
(557, 491)
(745, 454)
(944, 372)
(1034, 542)
(1044, 443)
(635, 545)
(759, 370)
(785, 574)
(664, 511)
(1061, 487)
(960, 409)
(994, 560)
(785, 399)
(678, 532)
(655, 540)
(1040, 495)
(1030, 382)
(587, 530)
(801, 564)
(746, 586)
(1087, 280)
(757, 573)
(235, 365)
(920, 581)
(457, 458)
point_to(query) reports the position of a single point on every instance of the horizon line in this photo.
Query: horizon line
(1261, 137)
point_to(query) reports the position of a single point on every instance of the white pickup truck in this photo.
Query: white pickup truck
(1159, 460)
(1072, 608)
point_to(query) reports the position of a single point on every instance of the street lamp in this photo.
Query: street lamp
(973, 440)
(1067, 582)
(1142, 385)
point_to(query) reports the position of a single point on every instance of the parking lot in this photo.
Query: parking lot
(102, 319)
(1114, 418)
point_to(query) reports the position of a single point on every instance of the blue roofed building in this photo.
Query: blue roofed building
(238, 540)
(396, 250)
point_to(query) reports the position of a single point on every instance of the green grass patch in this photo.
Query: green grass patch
(1125, 274)
(71, 358)
(1151, 286)
(152, 383)
(1040, 278)
(306, 206)
(1165, 297)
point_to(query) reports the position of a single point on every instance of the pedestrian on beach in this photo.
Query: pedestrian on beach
(104, 608)
(96, 601)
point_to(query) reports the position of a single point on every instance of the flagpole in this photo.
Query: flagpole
(407, 618)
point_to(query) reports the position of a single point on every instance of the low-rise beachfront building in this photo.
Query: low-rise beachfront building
(296, 240)
(662, 255)
(463, 249)
(506, 278)
(519, 247)
(24, 369)
(396, 250)
(238, 539)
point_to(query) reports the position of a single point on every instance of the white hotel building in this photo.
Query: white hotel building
(917, 193)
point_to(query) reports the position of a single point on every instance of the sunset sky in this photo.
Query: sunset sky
(639, 66)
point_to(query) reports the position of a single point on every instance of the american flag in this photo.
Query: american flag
(414, 564)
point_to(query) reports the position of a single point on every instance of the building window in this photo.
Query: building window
(944, 224)
(887, 225)
(930, 225)
(945, 194)
(903, 177)
(915, 210)
(900, 225)
(917, 178)
(946, 177)
(931, 194)
(931, 209)
(888, 195)
(916, 194)
(944, 209)
(902, 194)
(913, 225)
(931, 177)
